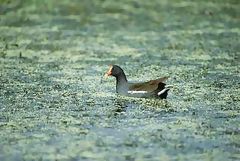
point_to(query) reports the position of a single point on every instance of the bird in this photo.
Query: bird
(152, 88)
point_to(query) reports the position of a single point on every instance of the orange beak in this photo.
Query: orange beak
(109, 72)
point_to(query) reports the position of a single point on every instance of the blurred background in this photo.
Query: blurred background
(54, 106)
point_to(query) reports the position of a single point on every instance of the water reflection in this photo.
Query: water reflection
(121, 105)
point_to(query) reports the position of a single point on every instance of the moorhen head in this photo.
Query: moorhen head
(153, 88)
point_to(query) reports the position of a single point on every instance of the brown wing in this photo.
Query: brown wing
(157, 81)
(146, 86)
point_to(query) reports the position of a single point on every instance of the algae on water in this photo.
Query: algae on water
(54, 106)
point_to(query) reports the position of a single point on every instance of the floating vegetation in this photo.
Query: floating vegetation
(54, 104)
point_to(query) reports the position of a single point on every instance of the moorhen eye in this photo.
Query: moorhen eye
(153, 88)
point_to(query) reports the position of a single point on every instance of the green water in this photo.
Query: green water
(54, 106)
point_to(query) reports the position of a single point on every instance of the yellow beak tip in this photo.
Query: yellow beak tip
(106, 76)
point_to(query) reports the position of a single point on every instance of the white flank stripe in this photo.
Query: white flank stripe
(134, 92)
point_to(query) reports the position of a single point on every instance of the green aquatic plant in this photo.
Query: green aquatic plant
(54, 104)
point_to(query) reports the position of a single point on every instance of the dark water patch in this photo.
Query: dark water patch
(7, 6)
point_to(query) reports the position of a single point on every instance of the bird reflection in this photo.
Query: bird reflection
(120, 105)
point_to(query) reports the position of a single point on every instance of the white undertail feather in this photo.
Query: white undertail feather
(162, 91)
(167, 87)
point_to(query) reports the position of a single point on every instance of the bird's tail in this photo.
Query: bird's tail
(163, 90)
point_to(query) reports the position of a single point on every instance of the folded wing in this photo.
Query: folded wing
(149, 86)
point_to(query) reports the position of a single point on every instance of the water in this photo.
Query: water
(54, 106)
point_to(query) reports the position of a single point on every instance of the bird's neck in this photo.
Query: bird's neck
(122, 83)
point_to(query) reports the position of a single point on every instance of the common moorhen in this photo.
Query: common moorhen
(153, 88)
